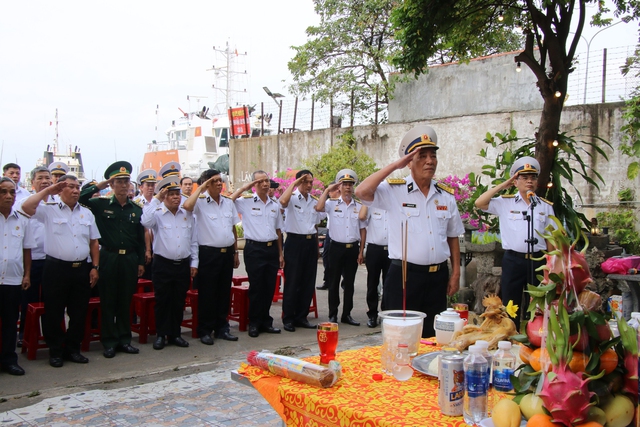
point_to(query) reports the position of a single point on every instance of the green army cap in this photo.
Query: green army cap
(120, 169)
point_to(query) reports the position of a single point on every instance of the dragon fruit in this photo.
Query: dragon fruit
(565, 394)
(566, 261)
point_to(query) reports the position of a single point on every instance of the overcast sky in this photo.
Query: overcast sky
(106, 65)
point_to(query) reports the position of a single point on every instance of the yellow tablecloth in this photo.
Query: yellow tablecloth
(356, 399)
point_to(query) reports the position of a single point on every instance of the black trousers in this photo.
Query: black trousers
(171, 280)
(343, 262)
(377, 263)
(261, 263)
(64, 286)
(117, 284)
(215, 271)
(426, 292)
(325, 258)
(300, 268)
(9, 307)
(33, 294)
(515, 278)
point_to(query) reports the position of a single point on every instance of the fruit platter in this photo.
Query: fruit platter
(575, 372)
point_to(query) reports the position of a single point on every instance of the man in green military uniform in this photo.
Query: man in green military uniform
(121, 255)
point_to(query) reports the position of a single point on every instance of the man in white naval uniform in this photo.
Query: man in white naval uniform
(425, 212)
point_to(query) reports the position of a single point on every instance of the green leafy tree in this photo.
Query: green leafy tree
(549, 50)
(343, 155)
(631, 130)
(348, 55)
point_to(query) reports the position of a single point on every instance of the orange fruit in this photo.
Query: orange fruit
(590, 424)
(538, 357)
(608, 361)
(578, 362)
(525, 353)
(541, 420)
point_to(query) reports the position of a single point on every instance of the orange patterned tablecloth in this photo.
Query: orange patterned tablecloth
(356, 399)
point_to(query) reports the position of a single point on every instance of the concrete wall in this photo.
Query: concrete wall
(460, 140)
(484, 85)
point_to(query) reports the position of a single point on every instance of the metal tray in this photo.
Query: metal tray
(421, 363)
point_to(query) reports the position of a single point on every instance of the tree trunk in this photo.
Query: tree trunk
(548, 130)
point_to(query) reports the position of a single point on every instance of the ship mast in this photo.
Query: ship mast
(55, 140)
(226, 78)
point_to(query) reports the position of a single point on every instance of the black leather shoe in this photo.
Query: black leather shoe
(75, 357)
(56, 362)
(109, 352)
(253, 331)
(305, 324)
(158, 344)
(324, 287)
(206, 339)
(270, 330)
(372, 322)
(13, 369)
(349, 321)
(333, 319)
(19, 344)
(226, 336)
(127, 348)
(179, 341)
(289, 327)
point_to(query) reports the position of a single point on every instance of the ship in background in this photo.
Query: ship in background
(199, 140)
(71, 156)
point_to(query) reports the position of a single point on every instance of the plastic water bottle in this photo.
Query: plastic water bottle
(402, 369)
(475, 386)
(484, 345)
(504, 363)
(634, 322)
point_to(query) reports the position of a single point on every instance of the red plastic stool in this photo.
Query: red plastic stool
(239, 307)
(192, 301)
(143, 304)
(91, 334)
(239, 280)
(142, 284)
(33, 338)
(278, 293)
(313, 308)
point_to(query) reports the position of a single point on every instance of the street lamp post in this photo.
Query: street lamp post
(586, 74)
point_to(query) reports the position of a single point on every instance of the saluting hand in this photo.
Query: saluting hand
(333, 187)
(56, 188)
(162, 194)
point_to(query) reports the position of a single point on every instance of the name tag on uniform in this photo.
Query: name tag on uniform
(338, 210)
(408, 205)
(442, 208)
(514, 212)
(108, 212)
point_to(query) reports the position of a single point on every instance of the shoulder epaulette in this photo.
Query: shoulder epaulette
(23, 214)
(247, 196)
(356, 199)
(546, 201)
(50, 203)
(202, 196)
(396, 181)
(225, 196)
(104, 197)
(314, 197)
(137, 203)
(508, 196)
(84, 206)
(445, 188)
(334, 198)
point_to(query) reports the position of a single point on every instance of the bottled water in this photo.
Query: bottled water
(402, 370)
(484, 345)
(634, 322)
(504, 363)
(475, 386)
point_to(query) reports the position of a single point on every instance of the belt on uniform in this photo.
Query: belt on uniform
(423, 268)
(524, 255)
(385, 247)
(72, 264)
(119, 251)
(303, 236)
(172, 261)
(255, 242)
(346, 245)
(214, 249)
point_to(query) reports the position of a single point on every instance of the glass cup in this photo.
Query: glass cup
(463, 311)
(327, 341)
